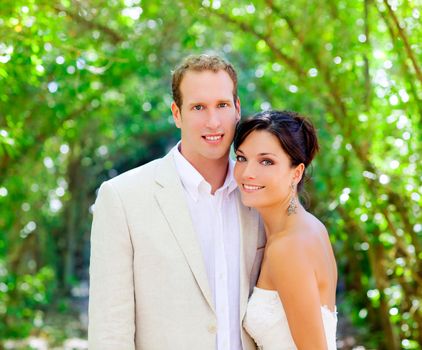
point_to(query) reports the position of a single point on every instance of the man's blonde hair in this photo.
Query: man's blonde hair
(200, 63)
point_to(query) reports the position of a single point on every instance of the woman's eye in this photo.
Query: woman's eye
(240, 158)
(267, 162)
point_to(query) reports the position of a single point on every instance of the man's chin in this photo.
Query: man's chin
(217, 155)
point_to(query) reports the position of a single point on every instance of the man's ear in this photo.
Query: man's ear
(177, 116)
(237, 106)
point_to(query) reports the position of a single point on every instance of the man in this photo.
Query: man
(174, 255)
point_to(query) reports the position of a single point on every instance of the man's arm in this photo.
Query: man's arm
(111, 295)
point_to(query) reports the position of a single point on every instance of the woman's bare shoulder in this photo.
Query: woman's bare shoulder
(287, 246)
(298, 241)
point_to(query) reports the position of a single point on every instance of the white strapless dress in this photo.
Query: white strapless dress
(266, 322)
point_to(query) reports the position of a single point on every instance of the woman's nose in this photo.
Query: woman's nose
(249, 172)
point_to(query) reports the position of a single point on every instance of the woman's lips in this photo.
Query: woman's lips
(251, 188)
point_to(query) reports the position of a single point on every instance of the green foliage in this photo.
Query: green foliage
(22, 299)
(85, 94)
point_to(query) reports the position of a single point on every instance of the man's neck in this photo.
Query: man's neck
(214, 172)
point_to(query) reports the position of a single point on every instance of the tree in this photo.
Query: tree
(85, 94)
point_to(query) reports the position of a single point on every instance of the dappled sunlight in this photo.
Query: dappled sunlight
(85, 95)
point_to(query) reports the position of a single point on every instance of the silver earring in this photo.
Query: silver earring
(291, 209)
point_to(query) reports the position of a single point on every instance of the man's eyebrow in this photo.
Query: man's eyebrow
(199, 102)
(194, 103)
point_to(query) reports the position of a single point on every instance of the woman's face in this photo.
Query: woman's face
(263, 171)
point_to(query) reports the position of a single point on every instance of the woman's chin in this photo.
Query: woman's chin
(249, 202)
(258, 203)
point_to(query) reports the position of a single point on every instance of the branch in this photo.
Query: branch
(367, 95)
(115, 37)
(277, 52)
(38, 142)
(403, 36)
(333, 87)
(404, 66)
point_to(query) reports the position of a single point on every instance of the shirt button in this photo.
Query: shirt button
(212, 329)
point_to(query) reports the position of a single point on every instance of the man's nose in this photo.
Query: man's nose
(214, 119)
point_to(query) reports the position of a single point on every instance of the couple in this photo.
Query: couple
(193, 252)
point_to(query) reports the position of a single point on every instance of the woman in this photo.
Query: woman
(293, 304)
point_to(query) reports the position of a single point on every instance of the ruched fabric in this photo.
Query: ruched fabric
(267, 324)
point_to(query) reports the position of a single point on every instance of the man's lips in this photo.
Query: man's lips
(213, 137)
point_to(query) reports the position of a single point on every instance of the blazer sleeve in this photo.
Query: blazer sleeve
(111, 295)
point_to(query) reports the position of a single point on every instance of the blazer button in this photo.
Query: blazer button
(212, 329)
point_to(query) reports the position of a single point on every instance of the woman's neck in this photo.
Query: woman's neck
(276, 218)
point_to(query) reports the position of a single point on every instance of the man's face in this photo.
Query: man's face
(208, 116)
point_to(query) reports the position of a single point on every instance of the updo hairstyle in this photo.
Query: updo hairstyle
(296, 134)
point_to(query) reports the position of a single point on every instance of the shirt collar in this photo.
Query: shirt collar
(193, 181)
(230, 182)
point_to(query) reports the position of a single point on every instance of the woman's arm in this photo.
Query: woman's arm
(292, 273)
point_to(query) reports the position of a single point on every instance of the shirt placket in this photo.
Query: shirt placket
(221, 282)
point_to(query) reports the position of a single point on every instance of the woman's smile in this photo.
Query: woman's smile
(251, 188)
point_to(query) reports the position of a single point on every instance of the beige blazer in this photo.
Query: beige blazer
(148, 284)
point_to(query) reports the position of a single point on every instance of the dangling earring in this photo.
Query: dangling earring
(291, 209)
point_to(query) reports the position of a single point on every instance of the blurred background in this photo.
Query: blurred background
(85, 95)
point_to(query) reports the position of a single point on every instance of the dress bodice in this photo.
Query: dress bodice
(266, 322)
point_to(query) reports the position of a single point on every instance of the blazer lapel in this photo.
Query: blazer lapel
(249, 233)
(172, 202)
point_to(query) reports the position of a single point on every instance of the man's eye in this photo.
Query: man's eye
(198, 108)
(240, 158)
(267, 162)
(223, 105)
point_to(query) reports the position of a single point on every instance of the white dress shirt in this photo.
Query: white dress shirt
(215, 220)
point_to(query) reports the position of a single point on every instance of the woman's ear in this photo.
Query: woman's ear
(298, 173)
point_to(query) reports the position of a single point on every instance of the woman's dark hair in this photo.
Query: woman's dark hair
(296, 134)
